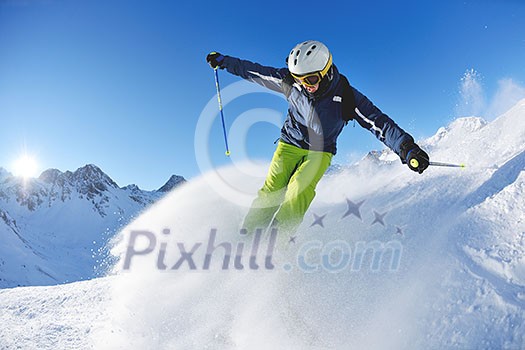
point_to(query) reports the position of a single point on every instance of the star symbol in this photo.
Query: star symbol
(353, 208)
(318, 220)
(379, 218)
(399, 231)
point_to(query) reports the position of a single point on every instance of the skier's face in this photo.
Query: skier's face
(309, 81)
(311, 89)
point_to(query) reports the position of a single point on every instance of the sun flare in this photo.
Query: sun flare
(25, 166)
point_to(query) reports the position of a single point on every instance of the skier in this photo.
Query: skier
(320, 104)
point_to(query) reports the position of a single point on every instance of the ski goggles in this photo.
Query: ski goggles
(308, 80)
(312, 79)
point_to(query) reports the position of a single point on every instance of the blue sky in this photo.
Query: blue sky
(122, 84)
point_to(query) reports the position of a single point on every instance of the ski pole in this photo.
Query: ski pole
(222, 114)
(447, 165)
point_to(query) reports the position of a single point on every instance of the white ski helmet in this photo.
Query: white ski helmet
(309, 57)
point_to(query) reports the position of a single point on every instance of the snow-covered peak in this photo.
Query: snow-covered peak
(475, 142)
(174, 181)
(469, 124)
(131, 188)
(50, 176)
(87, 179)
(91, 174)
(457, 129)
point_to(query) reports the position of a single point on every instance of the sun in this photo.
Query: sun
(26, 166)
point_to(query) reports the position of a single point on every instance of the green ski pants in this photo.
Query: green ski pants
(289, 188)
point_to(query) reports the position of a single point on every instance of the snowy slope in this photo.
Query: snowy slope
(57, 317)
(386, 259)
(55, 229)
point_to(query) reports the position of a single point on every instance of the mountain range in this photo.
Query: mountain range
(56, 228)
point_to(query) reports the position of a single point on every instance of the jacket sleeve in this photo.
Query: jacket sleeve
(269, 77)
(385, 129)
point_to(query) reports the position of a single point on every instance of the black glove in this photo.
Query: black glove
(414, 157)
(214, 59)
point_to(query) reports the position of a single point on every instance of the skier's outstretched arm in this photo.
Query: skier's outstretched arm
(387, 131)
(268, 77)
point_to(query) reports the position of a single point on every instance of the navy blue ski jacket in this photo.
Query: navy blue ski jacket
(315, 122)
